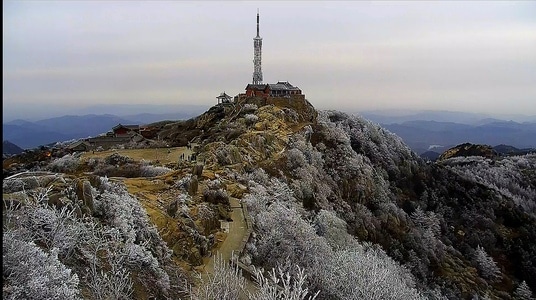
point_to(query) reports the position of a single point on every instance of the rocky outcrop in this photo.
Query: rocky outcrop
(225, 123)
(85, 196)
(469, 149)
(303, 108)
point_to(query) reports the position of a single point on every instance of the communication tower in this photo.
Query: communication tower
(257, 52)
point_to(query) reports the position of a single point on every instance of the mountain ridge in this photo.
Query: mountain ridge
(419, 135)
(10, 148)
(29, 134)
(334, 194)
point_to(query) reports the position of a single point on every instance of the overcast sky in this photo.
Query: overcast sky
(353, 55)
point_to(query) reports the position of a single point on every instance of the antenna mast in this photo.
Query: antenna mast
(257, 54)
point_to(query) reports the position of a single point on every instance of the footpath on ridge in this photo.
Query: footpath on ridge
(234, 243)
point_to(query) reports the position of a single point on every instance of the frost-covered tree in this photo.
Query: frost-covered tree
(509, 176)
(486, 265)
(333, 229)
(366, 274)
(340, 269)
(523, 292)
(427, 221)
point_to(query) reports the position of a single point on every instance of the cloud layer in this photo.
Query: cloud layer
(464, 56)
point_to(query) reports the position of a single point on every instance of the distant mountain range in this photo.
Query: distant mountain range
(432, 132)
(399, 116)
(422, 136)
(10, 148)
(33, 134)
(423, 131)
(125, 110)
(29, 135)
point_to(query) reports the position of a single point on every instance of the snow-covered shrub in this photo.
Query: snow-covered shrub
(54, 228)
(228, 155)
(290, 115)
(251, 119)
(249, 108)
(31, 273)
(281, 285)
(94, 162)
(295, 159)
(19, 184)
(113, 284)
(109, 250)
(126, 215)
(118, 159)
(102, 169)
(259, 176)
(225, 283)
(184, 182)
(153, 171)
(66, 164)
(290, 238)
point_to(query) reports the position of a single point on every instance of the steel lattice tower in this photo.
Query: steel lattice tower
(257, 51)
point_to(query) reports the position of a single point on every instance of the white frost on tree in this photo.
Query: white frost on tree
(52, 252)
(366, 274)
(281, 285)
(523, 292)
(486, 265)
(31, 273)
(338, 270)
(225, 282)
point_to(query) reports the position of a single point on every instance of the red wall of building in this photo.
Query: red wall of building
(257, 93)
(120, 131)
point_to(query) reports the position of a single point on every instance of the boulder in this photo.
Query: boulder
(172, 208)
(193, 185)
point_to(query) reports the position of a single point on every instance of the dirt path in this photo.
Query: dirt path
(233, 242)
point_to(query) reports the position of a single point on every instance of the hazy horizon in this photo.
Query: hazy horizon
(163, 109)
(475, 57)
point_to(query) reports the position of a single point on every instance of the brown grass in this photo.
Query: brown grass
(162, 155)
